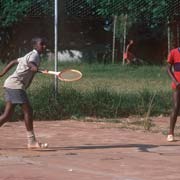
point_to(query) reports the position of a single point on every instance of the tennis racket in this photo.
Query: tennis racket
(67, 75)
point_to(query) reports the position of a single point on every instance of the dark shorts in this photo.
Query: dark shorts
(15, 96)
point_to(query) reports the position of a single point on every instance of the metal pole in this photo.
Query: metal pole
(125, 31)
(177, 34)
(168, 36)
(114, 38)
(55, 45)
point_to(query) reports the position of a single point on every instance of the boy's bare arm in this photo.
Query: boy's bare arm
(8, 67)
(33, 67)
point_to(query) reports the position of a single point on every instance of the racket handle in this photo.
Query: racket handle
(48, 72)
(53, 72)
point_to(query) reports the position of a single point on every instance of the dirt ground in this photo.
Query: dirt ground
(90, 151)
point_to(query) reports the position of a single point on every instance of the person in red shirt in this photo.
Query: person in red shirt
(128, 55)
(173, 69)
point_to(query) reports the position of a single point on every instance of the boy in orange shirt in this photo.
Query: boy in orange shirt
(173, 69)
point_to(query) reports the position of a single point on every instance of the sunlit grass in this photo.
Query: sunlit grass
(116, 77)
(104, 91)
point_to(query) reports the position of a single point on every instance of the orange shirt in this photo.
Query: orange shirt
(174, 59)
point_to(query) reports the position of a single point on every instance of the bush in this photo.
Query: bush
(97, 103)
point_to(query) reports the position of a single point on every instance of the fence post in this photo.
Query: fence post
(168, 35)
(114, 38)
(55, 46)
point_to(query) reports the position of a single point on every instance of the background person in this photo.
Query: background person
(173, 69)
(129, 57)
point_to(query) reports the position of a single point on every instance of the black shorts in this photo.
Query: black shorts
(16, 96)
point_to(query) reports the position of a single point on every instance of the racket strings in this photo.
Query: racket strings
(70, 75)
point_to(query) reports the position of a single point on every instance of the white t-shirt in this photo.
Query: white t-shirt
(23, 76)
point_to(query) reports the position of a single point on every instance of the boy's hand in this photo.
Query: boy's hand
(33, 67)
(177, 85)
(44, 71)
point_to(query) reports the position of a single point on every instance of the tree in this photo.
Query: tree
(12, 12)
(147, 9)
(148, 15)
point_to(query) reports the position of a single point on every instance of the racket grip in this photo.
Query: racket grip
(53, 72)
(48, 72)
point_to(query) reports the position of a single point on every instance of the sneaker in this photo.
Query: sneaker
(170, 138)
(37, 145)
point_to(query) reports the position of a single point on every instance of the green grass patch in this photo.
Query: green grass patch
(109, 91)
(99, 103)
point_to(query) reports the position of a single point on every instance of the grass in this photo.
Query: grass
(109, 91)
(115, 77)
(124, 79)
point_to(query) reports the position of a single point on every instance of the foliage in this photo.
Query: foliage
(144, 21)
(149, 14)
(12, 11)
(97, 103)
(104, 91)
(149, 10)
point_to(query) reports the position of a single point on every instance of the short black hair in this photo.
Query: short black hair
(37, 39)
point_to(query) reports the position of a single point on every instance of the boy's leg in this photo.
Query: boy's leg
(176, 107)
(28, 118)
(9, 109)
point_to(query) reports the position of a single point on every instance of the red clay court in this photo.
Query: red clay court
(88, 150)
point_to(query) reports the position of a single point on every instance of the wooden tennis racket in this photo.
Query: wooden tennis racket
(67, 75)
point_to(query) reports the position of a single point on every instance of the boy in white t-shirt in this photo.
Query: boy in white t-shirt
(15, 88)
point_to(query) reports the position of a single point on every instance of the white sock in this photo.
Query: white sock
(31, 137)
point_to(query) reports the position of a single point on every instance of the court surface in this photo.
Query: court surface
(88, 151)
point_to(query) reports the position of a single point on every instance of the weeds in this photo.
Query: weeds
(105, 91)
(99, 103)
(147, 121)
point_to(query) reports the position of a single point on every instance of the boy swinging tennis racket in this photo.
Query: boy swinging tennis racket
(15, 89)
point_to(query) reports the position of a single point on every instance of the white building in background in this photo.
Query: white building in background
(67, 56)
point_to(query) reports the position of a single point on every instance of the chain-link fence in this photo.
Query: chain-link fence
(86, 28)
(91, 30)
(88, 31)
